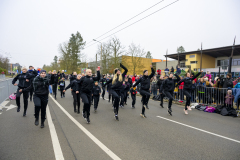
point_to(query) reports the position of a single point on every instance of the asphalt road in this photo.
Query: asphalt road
(133, 137)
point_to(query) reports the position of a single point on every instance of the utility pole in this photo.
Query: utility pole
(178, 57)
(96, 64)
(201, 59)
(101, 53)
(166, 58)
(230, 59)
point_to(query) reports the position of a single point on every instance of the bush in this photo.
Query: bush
(2, 70)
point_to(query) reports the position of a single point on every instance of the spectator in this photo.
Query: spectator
(166, 71)
(193, 93)
(208, 75)
(180, 89)
(158, 72)
(172, 70)
(178, 69)
(229, 99)
(154, 86)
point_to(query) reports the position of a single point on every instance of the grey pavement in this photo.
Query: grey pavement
(133, 137)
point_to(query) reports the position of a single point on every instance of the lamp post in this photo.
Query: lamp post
(101, 53)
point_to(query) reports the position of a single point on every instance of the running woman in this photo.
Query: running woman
(86, 84)
(187, 89)
(40, 87)
(54, 79)
(96, 92)
(103, 82)
(144, 90)
(117, 83)
(159, 83)
(23, 82)
(109, 86)
(168, 86)
(35, 73)
(133, 92)
(75, 92)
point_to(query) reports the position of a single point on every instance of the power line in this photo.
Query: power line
(127, 20)
(135, 22)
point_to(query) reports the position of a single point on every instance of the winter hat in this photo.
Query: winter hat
(144, 71)
(116, 70)
(43, 71)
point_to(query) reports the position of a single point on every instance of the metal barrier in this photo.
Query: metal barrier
(2, 76)
(6, 88)
(208, 96)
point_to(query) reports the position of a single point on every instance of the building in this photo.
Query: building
(13, 67)
(134, 64)
(212, 59)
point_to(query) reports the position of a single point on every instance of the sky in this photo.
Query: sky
(31, 30)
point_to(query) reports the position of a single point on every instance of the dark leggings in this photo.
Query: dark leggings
(40, 104)
(86, 98)
(187, 93)
(76, 100)
(116, 95)
(25, 98)
(145, 98)
(161, 98)
(169, 94)
(54, 87)
(31, 94)
(96, 100)
(238, 103)
(133, 99)
(62, 93)
(103, 91)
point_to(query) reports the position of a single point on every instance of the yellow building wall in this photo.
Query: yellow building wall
(207, 61)
(144, 65)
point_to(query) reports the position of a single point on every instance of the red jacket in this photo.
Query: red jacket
(159, 72)
(181, 85)
(133, 79)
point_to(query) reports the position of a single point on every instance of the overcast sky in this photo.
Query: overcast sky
(31, 30)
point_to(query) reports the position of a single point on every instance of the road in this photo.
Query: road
(198, 135)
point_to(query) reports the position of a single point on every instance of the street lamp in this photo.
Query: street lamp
(101, 53)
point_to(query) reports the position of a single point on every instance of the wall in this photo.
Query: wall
(162, 65)
(222, 58)
(208, 61)
(143, 65)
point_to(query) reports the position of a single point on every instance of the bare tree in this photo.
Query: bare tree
(136, 61)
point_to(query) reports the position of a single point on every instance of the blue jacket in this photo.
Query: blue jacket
(236, 94)
(237, 85)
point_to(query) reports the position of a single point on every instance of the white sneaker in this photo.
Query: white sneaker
(185, 111)
(189, 108)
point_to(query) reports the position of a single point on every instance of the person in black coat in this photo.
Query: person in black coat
(187, 89)
(103, 81)
(133, 92)
(109, 90)
(117, 82)
(126, 90)
(75, 92)
(34, 74)
(40, 98)
(86, 84)
(144, 91)
(61, 84)
(159, 83)
(24, 81)
(62, 75)
(96, 92)
(168, 86)
(54, 79)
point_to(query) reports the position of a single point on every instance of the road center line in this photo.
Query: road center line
(200, 129)
(56, 145)
(90, 135)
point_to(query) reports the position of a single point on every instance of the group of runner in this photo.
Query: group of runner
(85, 88)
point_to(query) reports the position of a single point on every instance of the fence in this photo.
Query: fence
(2, 76)
(208, 96)
(6, 88)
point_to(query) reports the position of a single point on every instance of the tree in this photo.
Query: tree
(180, 49)
(71, 55)
(136, 62)
(4, 61)
(149, 55)
(106, 55)
(116, 51)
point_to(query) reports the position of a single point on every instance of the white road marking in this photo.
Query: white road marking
(4, 103)
(10, 107)
(200, 129)
(56, 145)
(90, 135)
(2, 87)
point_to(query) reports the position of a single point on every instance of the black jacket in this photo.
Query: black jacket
(117, 84)
(188, 81)
(159, 83)
(61, 83)
(169, 84)
(49, 76)
(133, 92)
(96, 90)
(22, 80)
(127, 86)
(130, 81)
(54, 78)
(227, 83)
(145, 81)
(74, 85)
(62, 75)
(40, 86)
(103, 81)
(86, 83)
(109, 85)
(33, 73)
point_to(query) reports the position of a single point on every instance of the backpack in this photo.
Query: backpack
(12, 96)
(218, 109)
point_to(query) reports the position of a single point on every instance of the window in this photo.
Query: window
(195, 69)
(225, 62)
(192, 56)
(193, 62)
(182, 65)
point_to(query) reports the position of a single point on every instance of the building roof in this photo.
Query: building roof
(213, 52)
(156, 60)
